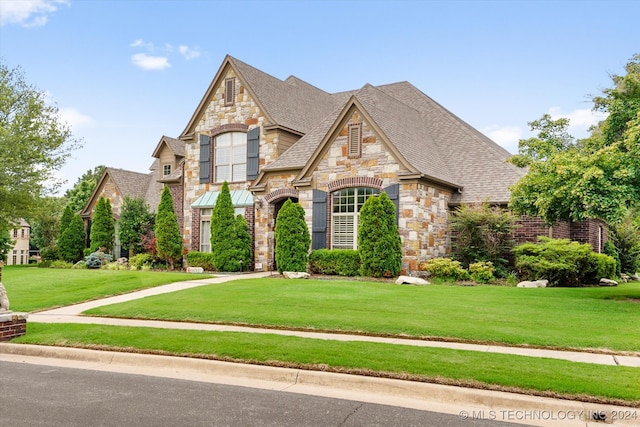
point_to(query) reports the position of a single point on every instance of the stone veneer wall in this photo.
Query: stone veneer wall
(244, 111)
(423, 219)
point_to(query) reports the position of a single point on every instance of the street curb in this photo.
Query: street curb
(466, 403)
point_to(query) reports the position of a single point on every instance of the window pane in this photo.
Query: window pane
(239, 172)
(239, 154)
(205, 236)
(222, 173)
(222, 155)
(223, 140)
(343, 232)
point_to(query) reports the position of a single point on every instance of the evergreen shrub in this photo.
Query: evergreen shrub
(562, 262)
(341, 262)
(379, 242)
(482, 272)
(201, 259)
(292, 238)
(141, 261)
(446, 268)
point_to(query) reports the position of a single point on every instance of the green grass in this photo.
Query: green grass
(486, 370)
(31, 289)
(604, 318)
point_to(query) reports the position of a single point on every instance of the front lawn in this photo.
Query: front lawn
(602, 318)
(32, 289)
(540, 376)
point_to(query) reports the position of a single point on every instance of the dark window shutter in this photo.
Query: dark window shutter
(319, 220)
(205, 158)
(253, 153)
(393, 191)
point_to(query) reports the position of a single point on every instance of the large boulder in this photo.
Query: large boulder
(608, 282)
(296, 275)
(533, 284)
(402, 280)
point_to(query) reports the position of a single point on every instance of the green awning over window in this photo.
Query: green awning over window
(239, 199)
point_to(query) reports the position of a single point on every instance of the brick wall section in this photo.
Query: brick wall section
(195, 228)
(16, 327)
(528, 229)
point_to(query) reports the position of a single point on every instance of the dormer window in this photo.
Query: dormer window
(229, 91)
(166, 170)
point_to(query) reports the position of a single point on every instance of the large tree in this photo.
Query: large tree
(34, 144)
(167, 229)
(78, 195)
(45, 222)
(598, 177)
(102, 233)
(135, 221)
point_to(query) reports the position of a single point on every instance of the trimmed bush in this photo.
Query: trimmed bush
(141, 261)
(167, 230)
(102, 234)
(292, 238)
(379, 243)
(341, 262)
(610, 249)
(562, 262)
(71, 244)
(482, 272)
(446, 268)
(201, 259)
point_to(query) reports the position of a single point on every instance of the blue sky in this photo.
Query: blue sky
(125, 72)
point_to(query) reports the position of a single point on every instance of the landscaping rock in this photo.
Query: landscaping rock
(296, 275)
(533, 284)
(635, 277)
(195, 270)
(402, 280)
(608, 282)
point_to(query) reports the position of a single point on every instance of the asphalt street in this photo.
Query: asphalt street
(41, 395)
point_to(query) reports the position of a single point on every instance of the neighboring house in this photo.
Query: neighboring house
(19, 253)
(274, 140)
(116, 184)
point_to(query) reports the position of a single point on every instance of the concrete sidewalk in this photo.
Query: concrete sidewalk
(72, 314)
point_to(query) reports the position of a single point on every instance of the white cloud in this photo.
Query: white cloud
(188, 53)
(579, 120)
(505, 136)
(148, 62)
(74, 118)
(141, 43)
(28, 13)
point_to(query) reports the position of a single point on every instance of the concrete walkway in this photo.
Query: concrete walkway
(72, 314)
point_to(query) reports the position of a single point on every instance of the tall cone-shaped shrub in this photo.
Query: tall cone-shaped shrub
(103, 229)
(292, 238)
(378, 239)
(168, 236)
(230, 239)
(71, 243)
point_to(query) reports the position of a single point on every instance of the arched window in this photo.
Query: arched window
(230, 157)
(346, 205)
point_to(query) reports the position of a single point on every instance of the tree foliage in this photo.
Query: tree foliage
(67, 216)
(230, 240)
(102, 233)
(6, 243)
(34, 144)
(78, 196)
(292, 238)
(71, 243)
(626, 238)
(598, 177)
(482, 233)
(167, 230)
(378, 239)
(45, 222)
(135, 221)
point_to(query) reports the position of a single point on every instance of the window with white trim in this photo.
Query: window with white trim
(230, 158)
(346, 205)
(205, 230)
